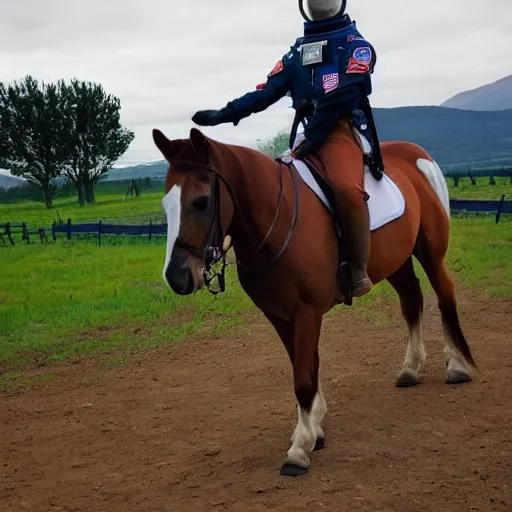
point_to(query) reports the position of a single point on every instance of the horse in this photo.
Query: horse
(219, 196)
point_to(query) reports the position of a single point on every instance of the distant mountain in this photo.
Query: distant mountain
(455, 138)
(494, 96)
(153, 170)
(8, 181)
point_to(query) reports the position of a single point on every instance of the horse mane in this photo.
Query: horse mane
(224, 155)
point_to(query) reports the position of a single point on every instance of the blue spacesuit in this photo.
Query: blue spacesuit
(327, 72)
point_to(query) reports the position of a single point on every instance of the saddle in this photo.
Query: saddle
(344, 275)
(363, 124)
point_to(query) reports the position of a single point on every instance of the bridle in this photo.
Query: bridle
(211, 251)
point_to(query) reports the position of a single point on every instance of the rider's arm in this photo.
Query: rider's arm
(276, 87)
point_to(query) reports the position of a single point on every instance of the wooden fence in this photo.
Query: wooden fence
(496, 207)
(100, 228)
(8, 231)
(473, 174)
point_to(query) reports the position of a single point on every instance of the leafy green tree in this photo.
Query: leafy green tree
(274, 147)
(31, 133)
(94, 138)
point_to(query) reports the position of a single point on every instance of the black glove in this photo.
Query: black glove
(215, 117)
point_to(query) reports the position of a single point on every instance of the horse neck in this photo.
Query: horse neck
(254, 178)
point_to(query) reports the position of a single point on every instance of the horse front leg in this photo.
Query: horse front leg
(285, 330)
(311, 406)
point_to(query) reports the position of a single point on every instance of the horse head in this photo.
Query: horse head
(197, 218)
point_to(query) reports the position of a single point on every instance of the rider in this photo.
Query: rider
(328, 73)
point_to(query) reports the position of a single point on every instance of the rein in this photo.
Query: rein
(211, 252)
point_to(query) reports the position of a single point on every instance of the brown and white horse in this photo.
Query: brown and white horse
(287, 255)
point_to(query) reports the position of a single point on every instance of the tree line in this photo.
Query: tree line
(67, 130)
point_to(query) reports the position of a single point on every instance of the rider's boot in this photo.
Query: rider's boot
(356, 237)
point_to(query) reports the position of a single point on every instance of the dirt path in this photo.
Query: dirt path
(205, 426)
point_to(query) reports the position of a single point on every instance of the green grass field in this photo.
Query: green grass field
(114, 205)
(108, 206)
(74, 298)
(482, 190)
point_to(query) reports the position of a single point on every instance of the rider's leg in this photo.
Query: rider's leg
(343, 160)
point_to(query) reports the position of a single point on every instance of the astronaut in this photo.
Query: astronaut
(327, 72)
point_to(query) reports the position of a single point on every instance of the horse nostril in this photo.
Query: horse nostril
(179, 277)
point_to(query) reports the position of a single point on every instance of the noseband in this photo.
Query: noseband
(211, 252)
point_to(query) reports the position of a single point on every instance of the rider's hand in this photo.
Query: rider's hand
(215, 117)
(207, 118)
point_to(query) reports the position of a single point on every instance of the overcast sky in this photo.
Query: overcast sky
(166, 59)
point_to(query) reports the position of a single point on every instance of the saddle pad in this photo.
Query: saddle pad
(386, 201)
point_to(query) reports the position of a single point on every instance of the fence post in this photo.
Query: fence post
(54, 235)
(99, 233)
(8, 232)
(500, 207)
(24, 231)
(42, 235)
(68, 230)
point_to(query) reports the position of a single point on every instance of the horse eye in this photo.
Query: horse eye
(201, 203)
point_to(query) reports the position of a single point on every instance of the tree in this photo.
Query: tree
(274, 147)
(31, 124)
(95, 138)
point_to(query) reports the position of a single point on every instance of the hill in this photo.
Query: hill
(455, 138)
(7, 181)
(494, 96)
(460, 138)
(153, 170)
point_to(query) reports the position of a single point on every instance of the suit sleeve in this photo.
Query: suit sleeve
(276, 87)
(346, 97)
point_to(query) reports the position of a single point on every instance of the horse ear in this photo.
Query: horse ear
(168, 148)
(200, 144)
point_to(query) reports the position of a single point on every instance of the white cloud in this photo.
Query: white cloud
(166, 61)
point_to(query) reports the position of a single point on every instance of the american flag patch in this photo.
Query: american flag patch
(330, 81)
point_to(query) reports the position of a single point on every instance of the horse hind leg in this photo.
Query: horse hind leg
(457, 353)
(407, 285)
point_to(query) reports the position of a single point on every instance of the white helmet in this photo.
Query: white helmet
(322, 9)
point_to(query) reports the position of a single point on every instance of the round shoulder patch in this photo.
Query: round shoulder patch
(362, 54)
(360, 62)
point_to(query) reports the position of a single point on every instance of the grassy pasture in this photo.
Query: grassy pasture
(109, 205)
(482, 189)
(114, 205)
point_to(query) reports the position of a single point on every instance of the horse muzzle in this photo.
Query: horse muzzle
(178, 275)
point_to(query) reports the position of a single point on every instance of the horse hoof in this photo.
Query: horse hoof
(289, 469)
(406, 380)
(458, 377)
(319, 444)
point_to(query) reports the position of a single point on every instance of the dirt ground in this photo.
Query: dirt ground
(205, 425)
